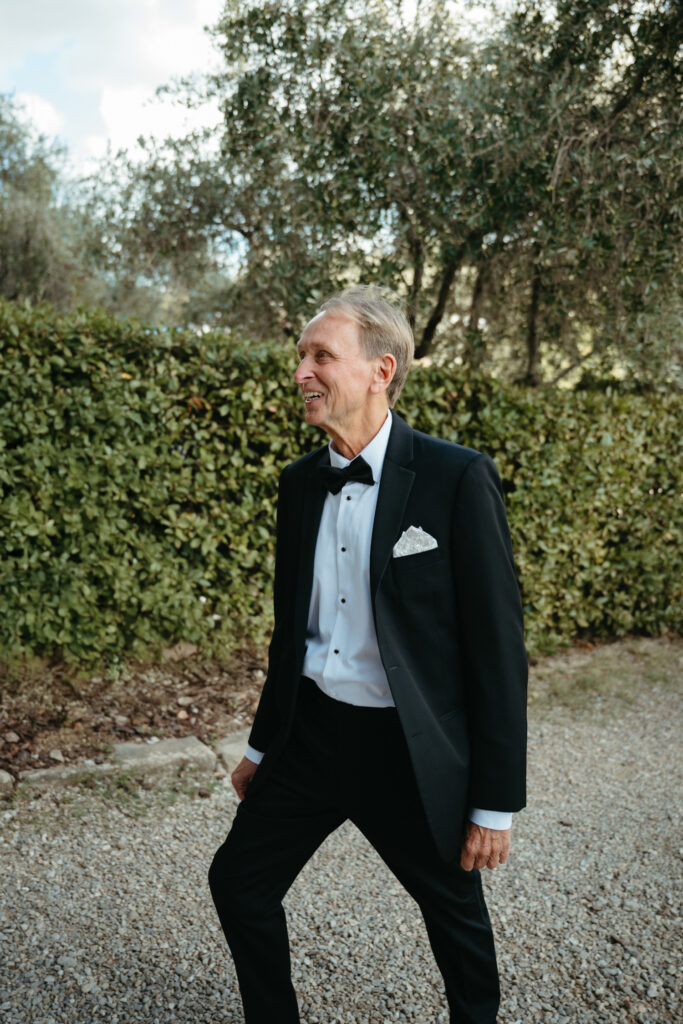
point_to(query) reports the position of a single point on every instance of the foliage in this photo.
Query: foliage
(145, 267)
(138, 475)
(592, 97)
(33, 258)
(522, 190)
(46, 234)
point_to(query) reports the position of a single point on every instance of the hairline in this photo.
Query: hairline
(344, 313)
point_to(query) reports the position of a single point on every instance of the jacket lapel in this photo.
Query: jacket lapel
(394, 490)
(311, 511)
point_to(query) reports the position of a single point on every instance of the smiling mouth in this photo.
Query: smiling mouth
(310, 396)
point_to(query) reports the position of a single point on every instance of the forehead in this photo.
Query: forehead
(338, 333)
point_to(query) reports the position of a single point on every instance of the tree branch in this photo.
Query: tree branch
(531, 375)
(450, 270)
(417, 254)
(568, 369)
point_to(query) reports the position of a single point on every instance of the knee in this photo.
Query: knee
(215, 873)
(228, 887)
(221, 877)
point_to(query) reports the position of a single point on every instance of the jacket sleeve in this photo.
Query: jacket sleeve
(492, 637)
(267, 717)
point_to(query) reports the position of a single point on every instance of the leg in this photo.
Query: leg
(390, 815)
(459, 929)
(276, 830)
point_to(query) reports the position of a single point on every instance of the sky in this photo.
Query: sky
(86, 70)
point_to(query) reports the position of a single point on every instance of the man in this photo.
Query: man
(396, 685)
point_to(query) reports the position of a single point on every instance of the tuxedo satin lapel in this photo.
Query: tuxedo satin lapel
(312, 509)
(394, 489)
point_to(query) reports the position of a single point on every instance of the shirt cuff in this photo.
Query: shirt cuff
(498, 820)
(254, 755)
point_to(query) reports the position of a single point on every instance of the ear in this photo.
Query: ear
(385, 368)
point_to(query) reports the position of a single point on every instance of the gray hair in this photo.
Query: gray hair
(383, 327)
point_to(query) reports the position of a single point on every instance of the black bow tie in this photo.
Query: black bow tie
(357, 471)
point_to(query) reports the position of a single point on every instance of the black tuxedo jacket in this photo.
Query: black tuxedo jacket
(448, 623)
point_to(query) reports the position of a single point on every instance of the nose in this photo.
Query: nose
(303, 371)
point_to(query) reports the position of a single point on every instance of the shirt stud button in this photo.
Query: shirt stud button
(343, 549)
(336, 651)
(343, 600)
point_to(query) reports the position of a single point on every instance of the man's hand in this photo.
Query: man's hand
(484, 847)
(242, 776)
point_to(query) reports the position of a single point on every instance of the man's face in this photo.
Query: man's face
(337, 382)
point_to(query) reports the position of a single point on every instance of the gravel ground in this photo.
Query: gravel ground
(107, 916)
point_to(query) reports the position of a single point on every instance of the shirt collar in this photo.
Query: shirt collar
(373, 453)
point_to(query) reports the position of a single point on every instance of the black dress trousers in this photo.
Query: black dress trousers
(344, 762)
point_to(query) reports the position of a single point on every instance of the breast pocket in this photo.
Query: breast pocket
(418, 561)
(420, 578)
(423, 587)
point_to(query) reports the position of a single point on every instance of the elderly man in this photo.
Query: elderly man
(396, 687)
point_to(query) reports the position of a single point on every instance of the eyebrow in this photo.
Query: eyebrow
(315, 346)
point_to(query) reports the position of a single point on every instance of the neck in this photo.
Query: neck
(349, 442)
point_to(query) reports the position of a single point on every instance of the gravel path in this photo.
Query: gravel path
(107, 917)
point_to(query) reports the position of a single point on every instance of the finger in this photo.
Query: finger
(467, 855)
(466, 860)
(469, 851)
(500, 848)
(476, 848)
(484, 851)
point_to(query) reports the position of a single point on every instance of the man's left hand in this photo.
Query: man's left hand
(484, 847)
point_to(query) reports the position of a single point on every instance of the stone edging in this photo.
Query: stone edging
(163, 757)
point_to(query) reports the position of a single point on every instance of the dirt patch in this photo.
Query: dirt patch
(49, 716)
(591, 676)
(47, 710)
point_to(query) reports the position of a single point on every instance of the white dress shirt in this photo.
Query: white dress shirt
(342, 655)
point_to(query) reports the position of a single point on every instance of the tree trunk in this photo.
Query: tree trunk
(418, 269)
(531, 375)
(449, 272)
(477, 297)
(474, 341)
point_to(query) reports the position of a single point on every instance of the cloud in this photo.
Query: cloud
(92, 66)
(41, 113)
(131, 111)
(109, 39)
(98, 62)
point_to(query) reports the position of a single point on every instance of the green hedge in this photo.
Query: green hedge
(138, 471)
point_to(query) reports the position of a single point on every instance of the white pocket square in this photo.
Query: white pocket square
(412, 541)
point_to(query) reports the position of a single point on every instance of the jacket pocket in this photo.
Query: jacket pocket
(407, 562)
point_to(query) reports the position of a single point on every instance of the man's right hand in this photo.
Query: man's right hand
(242, 776)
